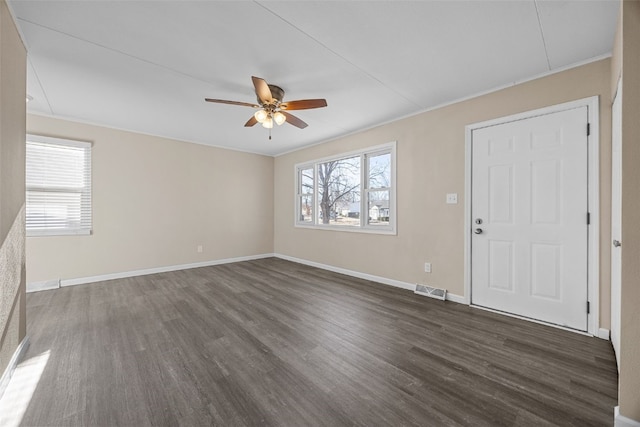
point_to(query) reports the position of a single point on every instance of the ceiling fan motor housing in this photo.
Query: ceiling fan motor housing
(277, 93)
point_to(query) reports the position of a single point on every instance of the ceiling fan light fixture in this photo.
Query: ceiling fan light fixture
(267, 123)
(261, 116)
(279, 118)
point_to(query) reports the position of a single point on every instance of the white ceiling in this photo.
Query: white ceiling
(147, 66)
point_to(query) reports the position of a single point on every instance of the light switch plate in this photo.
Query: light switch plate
(452, 198)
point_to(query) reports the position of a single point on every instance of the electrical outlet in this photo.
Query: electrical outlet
(199, 249)
(427, 267)
(452, 198)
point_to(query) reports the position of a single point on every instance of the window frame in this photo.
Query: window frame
(86, 193)
(364, 226)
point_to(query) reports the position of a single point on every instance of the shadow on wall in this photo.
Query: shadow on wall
(12, 266)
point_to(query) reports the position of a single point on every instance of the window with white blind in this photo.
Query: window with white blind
(58, 186)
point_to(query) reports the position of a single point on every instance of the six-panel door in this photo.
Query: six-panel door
(529, 218)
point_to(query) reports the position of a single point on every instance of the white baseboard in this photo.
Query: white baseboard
(456, 298)
(365, 276)
(49, 284)
(622, 421)
(13, 363)
(45, 285)
(55, 284)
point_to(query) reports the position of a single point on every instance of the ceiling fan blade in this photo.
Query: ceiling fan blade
(262, 90)
(252, 121)
(303, 104)
(222, 101)
(291, 119)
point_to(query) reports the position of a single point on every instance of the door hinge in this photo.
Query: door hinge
(588, 129)
(588, 218)
(588, 307)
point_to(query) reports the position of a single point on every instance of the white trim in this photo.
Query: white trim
(603, 334)
(64, 142)
(45, 285)
(592, 104)
(365, 276)
(593, 108)
(352, 153)
(616, 221)
(467, 214)
(55, 284)
(43, 232)
(455, 298)
(592, 101)
(139, 132)
(352, 229)
(144, 272)
(455, 101)
(324, 141)
(622, 421)
(13, 363)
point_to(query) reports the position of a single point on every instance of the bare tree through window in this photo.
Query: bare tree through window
(352, 191)
(338, 187)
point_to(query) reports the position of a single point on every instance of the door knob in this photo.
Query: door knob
(478, 231)
(617, 243)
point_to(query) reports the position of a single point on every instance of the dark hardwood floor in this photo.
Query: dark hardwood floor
(270, 342)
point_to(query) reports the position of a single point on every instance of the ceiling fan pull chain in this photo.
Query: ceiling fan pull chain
(269, 134)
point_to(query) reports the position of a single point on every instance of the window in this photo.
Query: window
(58, 186)
(355, 191)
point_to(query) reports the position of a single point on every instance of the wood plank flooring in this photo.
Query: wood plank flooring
(270, 342)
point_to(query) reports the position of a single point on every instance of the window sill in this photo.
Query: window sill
(385, 231)
(47, 233)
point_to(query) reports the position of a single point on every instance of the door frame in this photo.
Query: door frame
(593, 171)
(616, 131)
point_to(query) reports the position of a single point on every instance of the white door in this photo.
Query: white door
(529, 217)
(616, 218)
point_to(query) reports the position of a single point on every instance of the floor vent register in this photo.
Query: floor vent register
(428, 291)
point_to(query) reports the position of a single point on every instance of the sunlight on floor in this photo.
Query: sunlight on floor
(23, 383)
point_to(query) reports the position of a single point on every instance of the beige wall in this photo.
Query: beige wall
(431, 161)
(629, 357)
(154, 201)
(13, 59)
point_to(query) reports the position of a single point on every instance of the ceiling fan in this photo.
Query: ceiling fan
(272, 108)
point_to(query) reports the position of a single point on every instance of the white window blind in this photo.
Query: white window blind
(58, 185)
